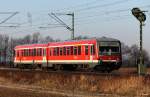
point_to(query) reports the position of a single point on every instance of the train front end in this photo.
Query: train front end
(109, 55)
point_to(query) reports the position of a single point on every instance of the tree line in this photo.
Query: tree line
(130, 54)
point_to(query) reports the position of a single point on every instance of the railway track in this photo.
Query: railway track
(65, 72)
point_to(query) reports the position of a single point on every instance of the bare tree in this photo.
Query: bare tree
(81, 37)
(46, 39)
(35, 37)
(27, 39)
(131, 55)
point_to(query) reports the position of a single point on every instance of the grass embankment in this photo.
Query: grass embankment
(120, 85)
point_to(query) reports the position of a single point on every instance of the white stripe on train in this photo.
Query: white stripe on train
(62, 61)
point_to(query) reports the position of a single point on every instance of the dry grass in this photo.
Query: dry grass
(7, 92)
(121, 85)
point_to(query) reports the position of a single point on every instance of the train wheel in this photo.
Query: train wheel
(109, 71)
(61, 67)
(44, 68)
(103, 69)
(99, 68)
(57, 67)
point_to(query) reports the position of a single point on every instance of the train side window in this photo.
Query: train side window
(93, 50)
(17, 53)
(14, 53)
(34, 52)
(50, 52)
(79, 50)
(57, 51)
(27, 52)
(54, 51)
(38, 52)
(64, 50)
(68, 50)
(75, 50)
(44, 52)
(61, 51)
(30, 52)
(22, 53)
(86, 50)
(71, 50)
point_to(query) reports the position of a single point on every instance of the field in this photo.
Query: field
(65, 85)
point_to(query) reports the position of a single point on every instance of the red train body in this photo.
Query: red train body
(102, 54)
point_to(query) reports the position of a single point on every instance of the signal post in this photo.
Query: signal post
(141, 17)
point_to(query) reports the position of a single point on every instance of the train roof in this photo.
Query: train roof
(106, 39)
(31, 46)
(82, 41)
(97, 39)
(68, 42)
(90, 39)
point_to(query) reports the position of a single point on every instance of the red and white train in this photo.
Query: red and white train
(103, 54)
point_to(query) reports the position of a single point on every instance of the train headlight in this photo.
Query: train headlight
(117, 61)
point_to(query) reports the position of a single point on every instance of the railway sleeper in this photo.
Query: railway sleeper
(103, 68)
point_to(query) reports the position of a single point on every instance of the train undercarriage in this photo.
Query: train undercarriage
(104, 67)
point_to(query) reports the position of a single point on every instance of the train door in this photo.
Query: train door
(44, 61)
(33, 56)
(20, 56)
(86, 52)
(91, 54)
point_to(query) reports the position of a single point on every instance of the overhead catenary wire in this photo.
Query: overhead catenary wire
(116, 18)
(102, 14)
(108, 13)
(12, 14)
(110, 4)
(93, 15)
(102, 5)
(78, 6)
(52, 15)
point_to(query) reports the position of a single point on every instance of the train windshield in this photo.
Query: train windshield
(109, 48)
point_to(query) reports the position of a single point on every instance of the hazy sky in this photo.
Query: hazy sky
(94, 18)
